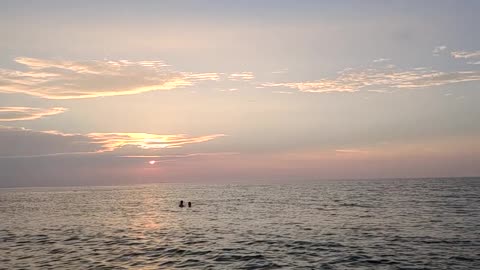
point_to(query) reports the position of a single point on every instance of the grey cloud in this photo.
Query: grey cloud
(465, 54)
(17, 142)
(439, 49)
(381, 60)
(27, 113)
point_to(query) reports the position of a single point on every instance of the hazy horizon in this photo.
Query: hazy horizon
(249, 182)
(121, 92)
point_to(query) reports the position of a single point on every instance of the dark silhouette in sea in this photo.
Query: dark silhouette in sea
(189, 204)
(181, 204)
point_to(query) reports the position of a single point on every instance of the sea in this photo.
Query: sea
(347, 224)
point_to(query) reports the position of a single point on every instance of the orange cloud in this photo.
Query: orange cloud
(57, 79)
(112, 141)
(50, 143)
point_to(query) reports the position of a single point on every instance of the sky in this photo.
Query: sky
(128, 92)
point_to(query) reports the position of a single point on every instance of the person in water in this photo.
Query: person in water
(181, 204)
(189, 204)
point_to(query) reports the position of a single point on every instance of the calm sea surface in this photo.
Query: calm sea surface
(383, 224)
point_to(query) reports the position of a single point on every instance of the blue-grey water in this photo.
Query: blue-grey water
(382, 224)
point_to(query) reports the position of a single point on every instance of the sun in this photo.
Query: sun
(152, 162)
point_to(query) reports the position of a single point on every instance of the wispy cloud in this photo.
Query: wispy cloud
(58, 79)
(438, 50)
(242, 76)
(196, 77)
(351, 151)
(282, 92)
(381, 60)
(182, 155)
(51, 143)
(465, 54)
(281, 71)
(113, 141)
(164, 158)
(385, 79)
(379, 91)
(229, 90)
(27, 113)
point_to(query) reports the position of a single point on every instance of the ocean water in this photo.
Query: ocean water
(382, 224)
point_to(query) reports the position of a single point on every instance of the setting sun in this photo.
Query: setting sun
(151, 162)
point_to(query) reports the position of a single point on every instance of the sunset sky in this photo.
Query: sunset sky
(126, 92)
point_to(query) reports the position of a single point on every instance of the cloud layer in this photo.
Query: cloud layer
(27, 113)
(16, 142)
(57, 79)
(388, 78)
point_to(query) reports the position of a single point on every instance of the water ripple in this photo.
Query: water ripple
(409, 224)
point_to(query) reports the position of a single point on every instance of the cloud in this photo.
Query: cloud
(167, 158)
(281, 71)
(182, 155)
(229, 90)
(351, 151)
(196, 77)
(379, 91)
(58, 79)
(465, 54)
(19, 142)
(439, 49)
(320, 86)
(381, 60)
(355, 80)
(113, 141)
(27, 113)
(282, 92)
(242, 76)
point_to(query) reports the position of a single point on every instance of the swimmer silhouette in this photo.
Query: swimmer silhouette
(181, 204)
(189, 204)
